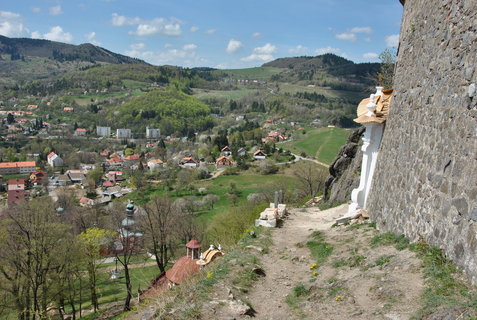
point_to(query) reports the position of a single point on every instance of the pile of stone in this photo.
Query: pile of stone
(268, 218)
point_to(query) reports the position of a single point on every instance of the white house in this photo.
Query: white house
(103, 131)
(259, 155)
(155, 164)
(54, 160)
(189, 162)
(123, 133)
(152, 133)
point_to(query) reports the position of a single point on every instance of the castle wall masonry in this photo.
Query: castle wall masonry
(425, 183)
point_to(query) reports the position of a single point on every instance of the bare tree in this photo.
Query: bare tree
(158, 223)
(128, 243)
(310, 176)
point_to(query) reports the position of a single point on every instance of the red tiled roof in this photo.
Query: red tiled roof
(189, 160)
(84, 200)
(182, 269)
(17, 181)
(17, 164)
(258, 152)
(80, 130)
(133, 157)
(193, 244)
(50, 155)
(108, 184)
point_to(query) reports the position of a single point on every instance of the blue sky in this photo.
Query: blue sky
(213, 33)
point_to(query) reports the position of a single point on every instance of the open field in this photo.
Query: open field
(246, 183)
(258, 73)
(224, 94)
(322, 143)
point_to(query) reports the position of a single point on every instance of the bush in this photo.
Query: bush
(231, 171)
(267, 167)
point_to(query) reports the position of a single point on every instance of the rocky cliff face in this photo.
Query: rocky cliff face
(425, 183)
(345, 169)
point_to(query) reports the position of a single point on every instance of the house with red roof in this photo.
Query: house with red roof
(189, 162)
(259, 155)
(54, 160)
(223, 162)
(80, 132)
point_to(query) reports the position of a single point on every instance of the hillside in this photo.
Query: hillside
(23, 59)
(311, 68)
(171, 110)
(310, 268)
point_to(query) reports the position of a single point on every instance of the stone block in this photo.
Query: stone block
(266, 223)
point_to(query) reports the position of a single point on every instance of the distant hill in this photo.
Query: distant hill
(19, 48)
(305, 62)
(24, 59)
(306, 67)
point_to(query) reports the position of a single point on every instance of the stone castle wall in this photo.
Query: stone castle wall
(425, 183)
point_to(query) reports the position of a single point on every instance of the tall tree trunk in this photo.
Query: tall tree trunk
(92, 286)
(127, 303)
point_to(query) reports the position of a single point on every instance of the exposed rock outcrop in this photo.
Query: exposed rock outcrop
(345, 169)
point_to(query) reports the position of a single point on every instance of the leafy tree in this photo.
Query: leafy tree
(92, 241)
(10, 118)
(31, 250)
(386, 73)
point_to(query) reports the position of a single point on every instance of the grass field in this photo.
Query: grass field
(322, 143)
(224, 94)
(258, 73)
(245, 183)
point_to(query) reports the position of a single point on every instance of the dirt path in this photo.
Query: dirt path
(355, 282)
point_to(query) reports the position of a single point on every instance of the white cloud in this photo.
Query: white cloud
(233, 46)
(370, 56)
(189, 47)
(36, 35)
(137, 46)
(90, 36)
(367, 30)
(119, 21)
(185, 56)
(367, 39)
(56, 10)
(211, 31)
(36, 10)
(11, 25)
(168, 45)
(256, 34)
(347, 36)
(299, 49)
(392, 41)
(157, 26)
(57, 34)
(194, 29)
(325, 50)
(264, 53)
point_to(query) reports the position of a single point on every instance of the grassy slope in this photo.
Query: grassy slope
(322, 143)
(258, 73)
(246, 183)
